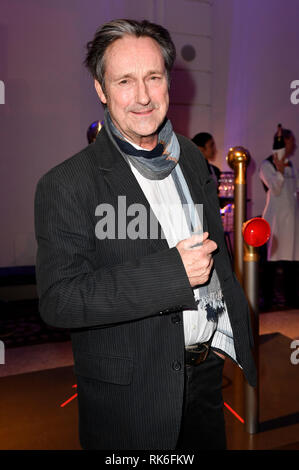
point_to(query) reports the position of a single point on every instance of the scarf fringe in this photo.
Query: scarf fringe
(213, 304)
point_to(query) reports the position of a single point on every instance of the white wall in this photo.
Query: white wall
(50, 99)
(190, 24)
(237, 87)
(255, 59)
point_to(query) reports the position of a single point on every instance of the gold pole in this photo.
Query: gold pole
(256, 233)
(238, 159)
(251, 281)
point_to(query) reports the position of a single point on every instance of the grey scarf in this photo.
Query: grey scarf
(157, 164)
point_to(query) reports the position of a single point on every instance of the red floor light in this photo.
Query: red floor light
(70, 399)
(234, 413)
(225, 404)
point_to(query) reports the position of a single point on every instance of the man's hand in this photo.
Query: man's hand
(280, 164)
(197, 260)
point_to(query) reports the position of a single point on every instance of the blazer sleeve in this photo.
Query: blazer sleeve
(74, 292)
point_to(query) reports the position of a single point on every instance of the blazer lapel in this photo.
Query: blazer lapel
(119, 176)
(203, 191)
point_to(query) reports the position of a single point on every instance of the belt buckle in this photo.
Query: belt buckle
(202, 354)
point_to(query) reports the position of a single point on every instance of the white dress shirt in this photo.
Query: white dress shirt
(165, 202)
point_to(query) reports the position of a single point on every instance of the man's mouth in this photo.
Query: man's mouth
(143, 113)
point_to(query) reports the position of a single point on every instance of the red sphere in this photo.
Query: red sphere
(256, 231)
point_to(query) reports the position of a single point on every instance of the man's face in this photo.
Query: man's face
(136, 88)
(290, 145)
(209, 150)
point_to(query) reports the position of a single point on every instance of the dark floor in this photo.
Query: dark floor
(278, 399)
(21, 325)
(31, 415)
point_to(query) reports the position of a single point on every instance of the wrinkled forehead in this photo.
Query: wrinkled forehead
(129, 53)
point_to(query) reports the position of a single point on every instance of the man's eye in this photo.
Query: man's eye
(155, 78)
(123, 82)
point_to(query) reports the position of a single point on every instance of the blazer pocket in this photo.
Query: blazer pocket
(111, 369)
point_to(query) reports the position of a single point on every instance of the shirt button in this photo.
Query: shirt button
(176, 365)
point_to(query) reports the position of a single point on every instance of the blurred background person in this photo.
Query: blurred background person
(93, 131)
(206, 144)
(281, 181)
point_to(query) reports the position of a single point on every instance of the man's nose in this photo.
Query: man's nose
(142, 94)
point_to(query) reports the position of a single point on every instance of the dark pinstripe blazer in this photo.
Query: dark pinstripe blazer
(123, 298)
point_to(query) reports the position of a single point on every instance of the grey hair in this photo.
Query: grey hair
(116, 29)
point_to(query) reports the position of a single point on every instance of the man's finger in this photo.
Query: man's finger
(209, 246)
(196, 240)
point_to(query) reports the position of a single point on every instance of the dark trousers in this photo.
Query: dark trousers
(203, 425)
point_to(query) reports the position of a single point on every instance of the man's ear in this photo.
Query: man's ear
(100, 92)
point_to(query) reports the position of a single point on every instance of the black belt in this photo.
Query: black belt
(196, 353)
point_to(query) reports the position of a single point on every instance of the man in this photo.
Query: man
(151, 320)
(281, 181)
(206, 144)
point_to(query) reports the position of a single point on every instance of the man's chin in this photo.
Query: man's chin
(146, 132)
(150, 128)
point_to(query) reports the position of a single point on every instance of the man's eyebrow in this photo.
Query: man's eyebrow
(121, 77)
(131, 75)
(155, 72)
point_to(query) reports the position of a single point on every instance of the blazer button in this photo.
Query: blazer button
(176, 319)
(176, 365)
